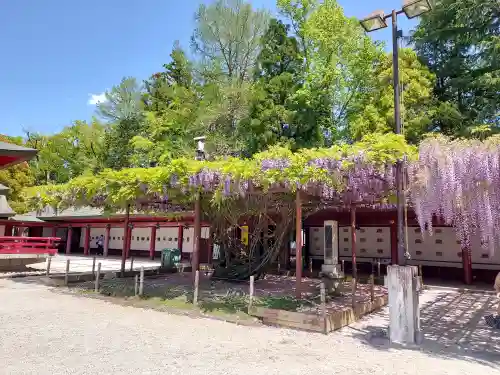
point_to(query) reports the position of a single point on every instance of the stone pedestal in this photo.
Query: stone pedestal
(404, 311)
(332, 277)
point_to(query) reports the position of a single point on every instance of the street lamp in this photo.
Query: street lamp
(376, 21)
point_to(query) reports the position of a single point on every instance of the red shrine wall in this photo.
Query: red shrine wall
(376, 239)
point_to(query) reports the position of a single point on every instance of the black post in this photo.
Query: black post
(397, 119)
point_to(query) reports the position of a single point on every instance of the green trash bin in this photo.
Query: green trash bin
(176, 256)
(170, 257)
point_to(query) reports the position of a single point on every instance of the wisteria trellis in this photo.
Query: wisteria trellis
(358, 173)
(454, 179)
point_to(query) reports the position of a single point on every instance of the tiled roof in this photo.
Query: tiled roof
(4, 146)
(26, 218)
(50, 213)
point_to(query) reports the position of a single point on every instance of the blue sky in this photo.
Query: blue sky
(57, 53)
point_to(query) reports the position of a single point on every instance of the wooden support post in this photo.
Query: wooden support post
(68, 240)
(353, 243)
(180, 234)
(124, 248)
(97, 278)
(310, 267)
(251, 293)
(66, 276)
(136, 285)
(323, 306)
(195, 262)
(467, 264)
(48, 261)
(86, 245)
(298, 245)
(141, 282)
(372, 287)
(131, 264)
(343, 265)
(106, 240)
(93, 266)
(196, 286)
(152, 243)
(378, 267)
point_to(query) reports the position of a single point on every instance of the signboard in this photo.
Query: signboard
(244, 235)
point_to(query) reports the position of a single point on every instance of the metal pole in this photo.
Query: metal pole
(397, 119)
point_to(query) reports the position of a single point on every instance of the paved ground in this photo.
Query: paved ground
(45, 332)
(84, 264)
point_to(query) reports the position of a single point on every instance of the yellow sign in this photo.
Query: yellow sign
(244, 235)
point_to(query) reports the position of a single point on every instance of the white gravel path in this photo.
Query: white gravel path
(45, 332)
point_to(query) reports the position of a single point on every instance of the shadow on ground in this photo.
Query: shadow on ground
(453, 326)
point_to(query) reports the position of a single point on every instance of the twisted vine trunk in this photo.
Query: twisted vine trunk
(269, 219)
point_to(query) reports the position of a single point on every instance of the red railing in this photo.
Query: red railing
(29, 245)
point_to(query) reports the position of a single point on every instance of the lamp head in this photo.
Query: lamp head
(415, 8)
(374, 21)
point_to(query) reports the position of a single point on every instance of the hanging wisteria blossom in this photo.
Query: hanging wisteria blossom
(458, 181)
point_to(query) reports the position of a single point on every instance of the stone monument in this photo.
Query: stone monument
(331, 273)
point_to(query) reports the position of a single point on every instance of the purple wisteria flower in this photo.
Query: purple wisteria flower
(280, 164)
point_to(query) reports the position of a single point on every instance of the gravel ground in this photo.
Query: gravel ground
(45, 332)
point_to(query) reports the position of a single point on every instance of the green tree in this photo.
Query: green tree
(16, 178)
(343, 61)
(376, 112)
(227, 37)
(124, 110)
(162, 87)
(460, 43)
(76, 149)
(272, 118)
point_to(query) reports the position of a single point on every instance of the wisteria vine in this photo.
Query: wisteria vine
(359, 173)
(458, 181)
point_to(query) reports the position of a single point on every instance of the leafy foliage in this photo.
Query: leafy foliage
(16, 178)
(376, 112)
(227, 35)
(346, 174)
(459, 41)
